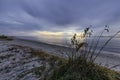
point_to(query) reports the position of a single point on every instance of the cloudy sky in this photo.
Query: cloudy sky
(57, 17)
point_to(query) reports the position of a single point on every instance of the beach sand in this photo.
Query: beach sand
(108, 59)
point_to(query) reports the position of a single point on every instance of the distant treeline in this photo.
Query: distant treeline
(5, 37)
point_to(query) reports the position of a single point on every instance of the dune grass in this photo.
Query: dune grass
(81, 61)
(81, 69)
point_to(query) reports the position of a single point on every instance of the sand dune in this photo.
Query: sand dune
(16, 59)
(108, 59)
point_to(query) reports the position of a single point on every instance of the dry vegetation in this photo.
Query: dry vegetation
(81, 60)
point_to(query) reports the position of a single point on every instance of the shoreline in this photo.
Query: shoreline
(107, 59)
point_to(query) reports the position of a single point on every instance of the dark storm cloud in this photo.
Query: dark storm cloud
(64, 12)
(57, 15)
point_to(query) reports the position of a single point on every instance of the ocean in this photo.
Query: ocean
(112, 46)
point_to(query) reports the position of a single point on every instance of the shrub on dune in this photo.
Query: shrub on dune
(81, 57)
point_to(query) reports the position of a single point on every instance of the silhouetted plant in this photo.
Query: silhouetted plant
(80, 46)
(81, 57)
(105, 45)
(98, 41)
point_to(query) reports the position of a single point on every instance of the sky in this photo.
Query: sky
(56, 18)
